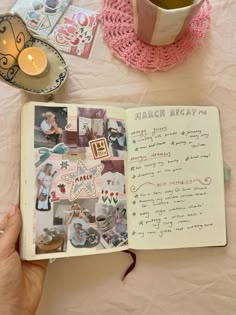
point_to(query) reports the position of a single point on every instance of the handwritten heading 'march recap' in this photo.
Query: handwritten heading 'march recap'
(170, 112)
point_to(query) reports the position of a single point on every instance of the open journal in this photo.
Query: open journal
(104, 179)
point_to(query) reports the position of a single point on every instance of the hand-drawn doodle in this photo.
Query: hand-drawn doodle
(134, 189)
(206, 181)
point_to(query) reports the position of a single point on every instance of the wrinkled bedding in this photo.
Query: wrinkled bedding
(189, 281)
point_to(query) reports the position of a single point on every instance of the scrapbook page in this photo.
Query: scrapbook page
(75, 32)
(40, 16)
(79, 185)
(102, 179)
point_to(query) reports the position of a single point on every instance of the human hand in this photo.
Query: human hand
(21, 281)
(90, 134)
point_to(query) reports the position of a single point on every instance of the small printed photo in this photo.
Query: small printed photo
(113, 177)
(64, 211)
(51, 239)
(49, 125)
(111, 223)
(115, 134)
(44, 180)
(83, 235)
(90, 125)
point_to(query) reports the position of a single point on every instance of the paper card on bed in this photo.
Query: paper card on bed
(75, 31)
(40, 16)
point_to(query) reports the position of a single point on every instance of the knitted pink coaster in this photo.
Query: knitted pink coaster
(117, 27)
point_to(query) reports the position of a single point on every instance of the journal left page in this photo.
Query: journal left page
(73, 197)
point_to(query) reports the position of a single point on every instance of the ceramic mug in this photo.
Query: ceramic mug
(103, 222)
(46, 239)
(158, 26)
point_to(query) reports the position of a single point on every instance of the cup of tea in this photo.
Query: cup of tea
(46, 239)
(163, 22)
(104, 223)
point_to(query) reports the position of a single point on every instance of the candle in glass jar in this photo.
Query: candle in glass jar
(32, 61)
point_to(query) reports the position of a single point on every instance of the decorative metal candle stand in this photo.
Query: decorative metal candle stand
(14, 38)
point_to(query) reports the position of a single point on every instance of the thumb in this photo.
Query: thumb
(11, 232)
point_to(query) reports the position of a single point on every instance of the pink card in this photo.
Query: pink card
(75, 31)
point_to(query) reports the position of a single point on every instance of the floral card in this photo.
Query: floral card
(75, 31)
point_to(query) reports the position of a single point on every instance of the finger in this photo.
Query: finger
(37, 267)
(11, 232)
(38, 263)
(3, 222)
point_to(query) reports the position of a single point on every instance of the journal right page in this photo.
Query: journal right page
(175, 178)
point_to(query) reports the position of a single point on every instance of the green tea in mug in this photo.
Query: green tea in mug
(172, 4)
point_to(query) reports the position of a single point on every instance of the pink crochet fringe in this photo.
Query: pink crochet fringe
(117, 28)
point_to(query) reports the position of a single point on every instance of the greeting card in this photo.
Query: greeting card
(75, 31)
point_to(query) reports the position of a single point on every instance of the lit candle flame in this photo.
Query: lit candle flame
(30, 57)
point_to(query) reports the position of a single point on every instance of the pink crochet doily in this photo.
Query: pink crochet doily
(117, 28)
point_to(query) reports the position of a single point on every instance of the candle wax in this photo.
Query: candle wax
(32, 61)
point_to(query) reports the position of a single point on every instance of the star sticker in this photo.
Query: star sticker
(134, 202)
(133, 233)
(134, 214)
(64, 164)
(83, 179)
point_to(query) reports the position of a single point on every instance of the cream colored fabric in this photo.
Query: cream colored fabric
(168, 25)
(166, 282)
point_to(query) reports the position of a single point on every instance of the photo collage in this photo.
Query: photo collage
(80, 197)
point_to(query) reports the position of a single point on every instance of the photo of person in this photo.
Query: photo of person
(44, 183)
(83, 235)
(49, 125)
(64, 211)
(90, 124)
(80, 235)
(116, 137)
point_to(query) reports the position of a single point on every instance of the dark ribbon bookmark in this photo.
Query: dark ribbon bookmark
(133, 264)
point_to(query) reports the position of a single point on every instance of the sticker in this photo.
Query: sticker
(34, 20)
(68, 126)
(54, 196)
(99, 148)
(83, 179)
(64, 164)
(82, 235)
(45, 152)
(110, 197)
(62, 188)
